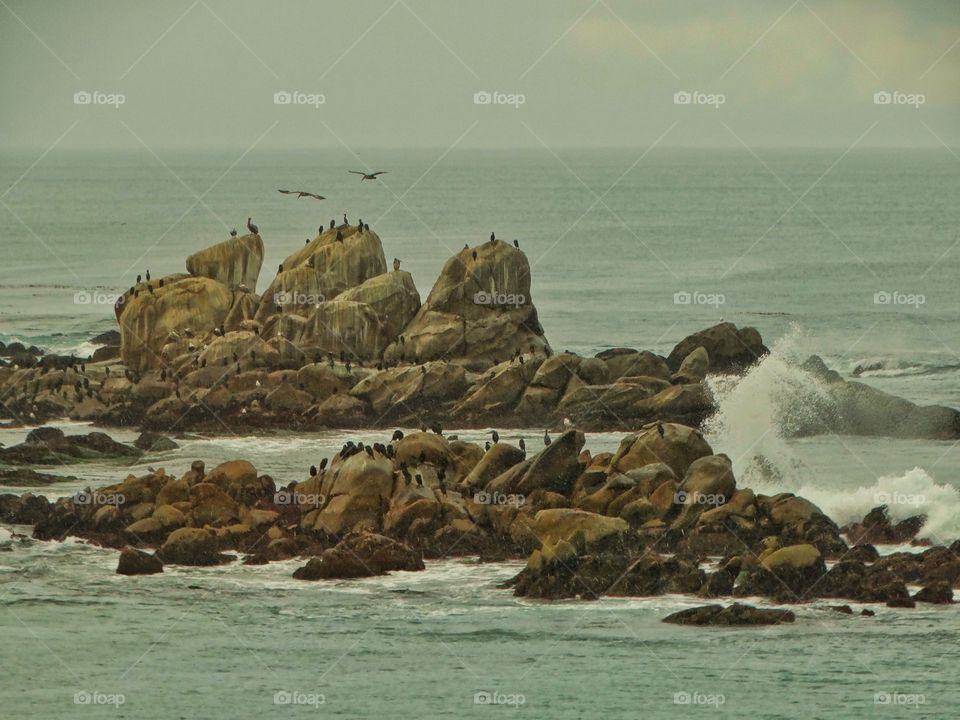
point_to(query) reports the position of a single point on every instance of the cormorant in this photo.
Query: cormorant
(495, 435)
(323, 464)
(333, 223)
(138, 279)
(233, 233)
(366, 175)
(419, 481)
(396, 264)
(313, 471)
(546, 438)
(516, 243)
(523, 446)
(148, 274)
(397, 435)
(252, 228)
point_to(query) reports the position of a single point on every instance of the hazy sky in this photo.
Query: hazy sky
(403, 73)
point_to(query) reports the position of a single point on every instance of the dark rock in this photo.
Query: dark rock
(736, 614)
(360, 555)
(940, 593)
(154, 443)
(137, 562)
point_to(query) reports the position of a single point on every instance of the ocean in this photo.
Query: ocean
(851, 257)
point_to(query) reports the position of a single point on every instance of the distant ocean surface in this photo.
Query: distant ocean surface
(710, 225)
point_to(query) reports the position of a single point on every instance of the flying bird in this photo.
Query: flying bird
(368, 176)
(302, 194)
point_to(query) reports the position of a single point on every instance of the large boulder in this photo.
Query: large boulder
(190, 546)
(190, 306)
(137, 562)
(736, 614)
(233, 263)
(410, 388)
(480, 307)
(361, 555)
(729, 348)
(676, 446)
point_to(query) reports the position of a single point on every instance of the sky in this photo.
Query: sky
(479, 73)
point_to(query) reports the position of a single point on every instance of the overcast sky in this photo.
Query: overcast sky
(402, 73)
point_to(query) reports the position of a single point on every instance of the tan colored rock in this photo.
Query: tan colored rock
(694, 367)
(410, 387)
(577, 527)
(677, 448)
(233, 263)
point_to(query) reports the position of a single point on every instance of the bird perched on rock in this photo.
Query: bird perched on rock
(252, 228)
(660, 429)
(396, 264)
(345, 221)
(493, 238)
(323, 464)
(313, 471)
(546, 438)
(369, 450)
(495, 435)
(419, 480)
(280, 269)
(233, 233)
(397, 435)
(436, 428)
(474, 254)
(333, 223)
(148, 275)
(523, 446)
(366, 175)
(516, 243)
(359, 225)
(139, 277)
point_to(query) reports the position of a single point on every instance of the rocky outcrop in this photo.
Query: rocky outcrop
(360, 555)
(232, 263)
(51, 446)
(736, 614)
(479, 308)
(137, 562)
(730, 349)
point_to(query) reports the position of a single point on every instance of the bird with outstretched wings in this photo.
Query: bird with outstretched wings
(302, 194)
(366, 175)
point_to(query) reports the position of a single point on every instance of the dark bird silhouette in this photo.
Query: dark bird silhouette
(302, 194)
(396, 264)
(516, 243)
(660, 429)
(313, 471)
(397, 435)
(546, 438)
(345, 221)
(368, 176)
(487, 445)
(436, 428)
(323, 464)
(252, 228)
(474, 254)
(523, 446)
(419, 480)
(333, 223)
(148, 274)
(493, 238)
(495, 435)
(280, 269)
(138, 279)
(233, 233)
(369, 450)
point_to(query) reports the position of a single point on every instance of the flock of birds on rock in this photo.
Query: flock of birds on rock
(351, 448)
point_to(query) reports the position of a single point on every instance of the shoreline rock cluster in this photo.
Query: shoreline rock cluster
(663, 514)
(338, 341)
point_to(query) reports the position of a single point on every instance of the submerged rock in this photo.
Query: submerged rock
(736, 614)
